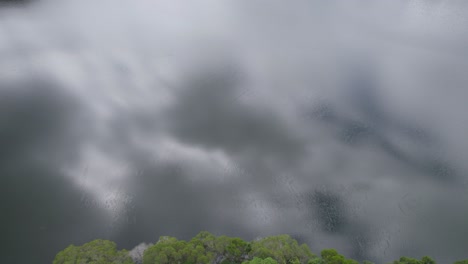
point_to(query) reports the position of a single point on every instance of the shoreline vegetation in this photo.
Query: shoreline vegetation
(205, 248)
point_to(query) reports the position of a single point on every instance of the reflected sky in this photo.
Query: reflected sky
(341, 123)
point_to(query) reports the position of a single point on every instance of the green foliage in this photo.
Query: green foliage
(236, 249)
(261, 261)
(170, 250)
(428, 260)
(282, 248)
(331, 256)
(95, 252)
(205, 248)
(316, 261)
(407, 260)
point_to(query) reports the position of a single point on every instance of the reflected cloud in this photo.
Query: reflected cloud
(342, 124)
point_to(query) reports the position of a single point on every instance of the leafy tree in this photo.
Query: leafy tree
(407, 260)
(170, 250)
(237, 250)
(282, 248)
(261, 261)
(316, 261)
(428, 260)
(95, 252)
(331, 256)
(231, 250)
(205, 248)
(206, 239)
(164, 251)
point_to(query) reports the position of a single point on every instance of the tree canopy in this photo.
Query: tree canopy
(95, 252)
(206, 248)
